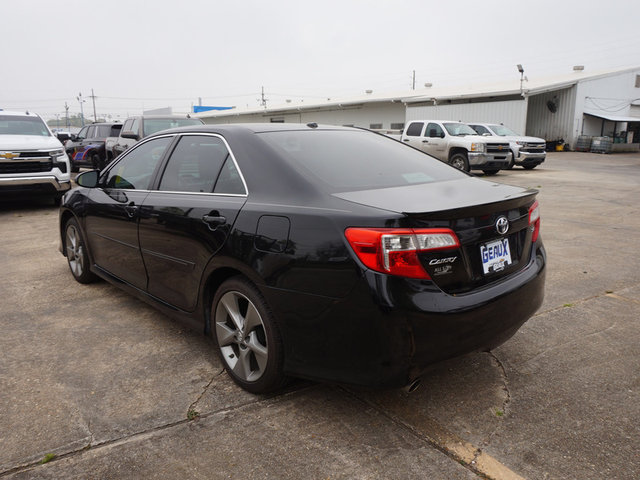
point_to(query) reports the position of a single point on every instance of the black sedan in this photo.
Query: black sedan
(320, 252)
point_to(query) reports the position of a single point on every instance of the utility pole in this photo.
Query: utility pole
(66, 114)
(93, 97)
(263, 101)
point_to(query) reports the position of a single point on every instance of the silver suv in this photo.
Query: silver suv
(32, 159)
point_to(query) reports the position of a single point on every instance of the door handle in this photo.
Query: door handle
(131, 209)
(213, 220)
(425, 141)
(405, 140)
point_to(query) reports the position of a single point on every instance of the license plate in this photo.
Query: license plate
(495, 255)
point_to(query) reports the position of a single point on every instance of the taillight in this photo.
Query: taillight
(395, 250)
(534, 220)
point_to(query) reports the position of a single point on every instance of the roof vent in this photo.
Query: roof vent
(312, 125)
(368, 92)
(578, 68)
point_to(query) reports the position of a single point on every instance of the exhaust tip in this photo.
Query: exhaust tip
(413, 386)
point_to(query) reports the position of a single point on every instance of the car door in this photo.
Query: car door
(111, 219)
(186, 221)
(413, 135)
(121, 142)
(433, 141)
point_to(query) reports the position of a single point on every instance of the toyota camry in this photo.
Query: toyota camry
(328, 253)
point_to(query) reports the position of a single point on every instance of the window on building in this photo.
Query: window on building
(375, 126)
(277, 119)
(397, 126)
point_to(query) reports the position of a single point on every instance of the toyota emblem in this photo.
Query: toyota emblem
(502, 225)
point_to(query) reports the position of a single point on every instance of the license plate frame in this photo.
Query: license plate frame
(495, 255)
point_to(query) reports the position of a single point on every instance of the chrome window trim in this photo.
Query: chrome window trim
(226, 144)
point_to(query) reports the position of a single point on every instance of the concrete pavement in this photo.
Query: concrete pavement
(113, 389)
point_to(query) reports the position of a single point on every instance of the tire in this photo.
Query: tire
(529, 167)
(459, 161)
(248, 339)
(490, 172)
(76, 252)
(97, 162)
(74, 168)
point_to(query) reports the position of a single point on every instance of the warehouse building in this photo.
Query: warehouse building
(560, 108)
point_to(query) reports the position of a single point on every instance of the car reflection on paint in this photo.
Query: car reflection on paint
(320, 252)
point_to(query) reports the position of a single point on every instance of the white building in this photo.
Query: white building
(563, 107)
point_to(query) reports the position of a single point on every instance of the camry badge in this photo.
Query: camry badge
(502, 225)
(9, 155)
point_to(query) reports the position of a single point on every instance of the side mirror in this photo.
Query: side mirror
(130, 134)
(88, 179)
(486, 134)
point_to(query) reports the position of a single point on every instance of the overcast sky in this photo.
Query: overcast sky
(138, 55)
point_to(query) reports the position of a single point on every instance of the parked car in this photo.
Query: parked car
(328, 253)
(87, 148)
(458, 145)
(528, 152)
(138, 127)
(32, 159)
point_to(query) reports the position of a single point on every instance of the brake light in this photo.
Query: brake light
(395, 250)
(534, 220)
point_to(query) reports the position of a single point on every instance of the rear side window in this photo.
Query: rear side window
(343, 161)
(194, 164)
(415, 129)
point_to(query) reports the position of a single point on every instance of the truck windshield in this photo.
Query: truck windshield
(459, 129)
(502, 130)
(17, 125)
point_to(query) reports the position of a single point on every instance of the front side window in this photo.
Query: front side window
(480, 129)
(434, 131)
(18, 125)
(135, 170)
(194, 164)
(83, 132)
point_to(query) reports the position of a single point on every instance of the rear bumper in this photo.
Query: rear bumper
(44, 182)
(389, 330)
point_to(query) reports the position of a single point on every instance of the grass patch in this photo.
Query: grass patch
(47, 458)
(568, 305)
(192, 414)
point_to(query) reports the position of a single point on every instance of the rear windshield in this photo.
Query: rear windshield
(345, 161)
(104, 131)
(17, 125)
(153, 125)
(503, 131)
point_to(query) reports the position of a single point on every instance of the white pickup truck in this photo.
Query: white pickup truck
(528, 152)
(458, 144)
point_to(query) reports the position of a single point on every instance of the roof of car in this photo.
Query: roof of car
(18, 114)
(256, 127)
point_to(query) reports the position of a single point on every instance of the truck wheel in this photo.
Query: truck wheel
(459, 161)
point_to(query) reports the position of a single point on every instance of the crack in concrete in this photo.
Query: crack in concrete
(204, 390)
(149, 431)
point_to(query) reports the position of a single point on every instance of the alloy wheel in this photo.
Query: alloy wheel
(241, 336)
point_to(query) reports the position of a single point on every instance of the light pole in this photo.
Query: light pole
(81, 100)
(521, 70)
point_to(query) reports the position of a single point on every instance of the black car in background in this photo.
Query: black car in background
(327, 253)
(87, 148)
